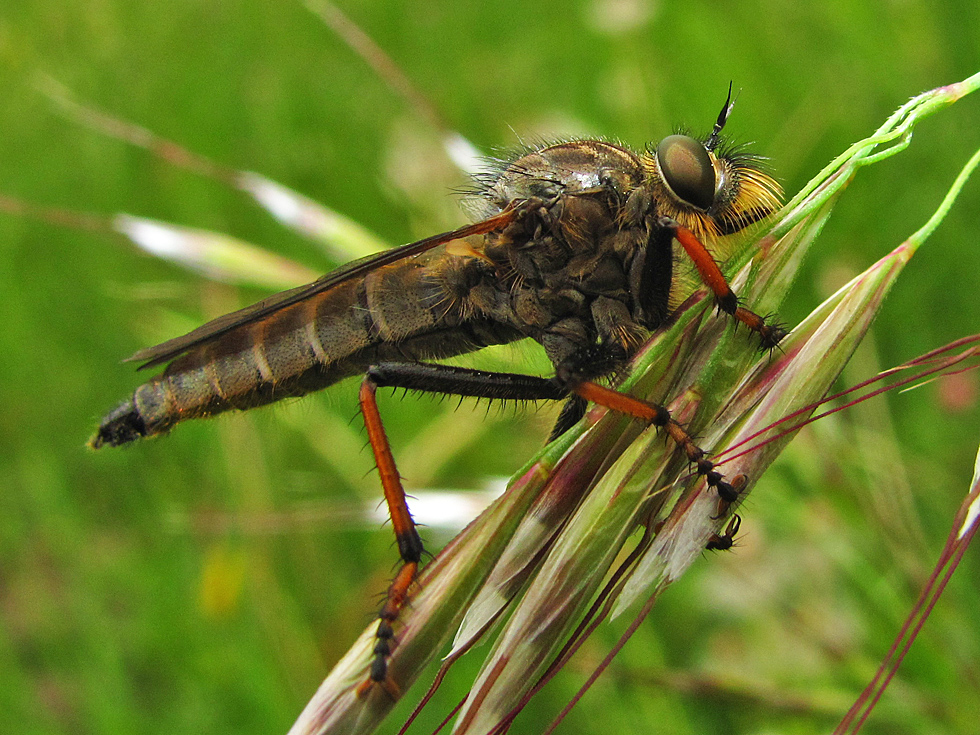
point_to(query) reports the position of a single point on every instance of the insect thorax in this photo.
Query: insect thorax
(566, 275)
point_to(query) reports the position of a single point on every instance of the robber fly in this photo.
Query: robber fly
(574, 249)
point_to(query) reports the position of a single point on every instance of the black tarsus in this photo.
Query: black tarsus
(726, 540)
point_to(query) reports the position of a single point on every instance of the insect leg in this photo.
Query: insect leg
(451, 380)
(575, 374)
(571, 414)
(659, 416)
(409, 543)
(714, 279)
(435, 379)
(726, 540)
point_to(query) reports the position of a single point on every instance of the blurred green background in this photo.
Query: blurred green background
(206, 582)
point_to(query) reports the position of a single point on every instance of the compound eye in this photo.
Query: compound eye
(687, 170)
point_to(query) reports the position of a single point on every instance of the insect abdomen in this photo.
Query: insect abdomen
(400, 312)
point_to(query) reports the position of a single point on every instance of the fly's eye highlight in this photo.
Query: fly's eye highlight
(687, 170)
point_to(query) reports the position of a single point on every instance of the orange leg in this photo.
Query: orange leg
(714, 279)
(409, 542)
(659, 416)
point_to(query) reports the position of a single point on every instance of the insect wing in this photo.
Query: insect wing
(172, 348)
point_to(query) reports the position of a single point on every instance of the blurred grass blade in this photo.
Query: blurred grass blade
(459, 150)
(86, 221)
(215, 255)
(343, 238)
